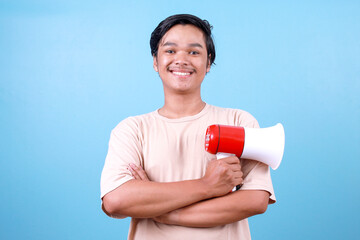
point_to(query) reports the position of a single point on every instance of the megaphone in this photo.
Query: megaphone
(261, 144)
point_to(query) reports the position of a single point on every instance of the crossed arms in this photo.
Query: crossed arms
(204, 202)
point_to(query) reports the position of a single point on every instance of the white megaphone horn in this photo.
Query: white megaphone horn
(261, 144)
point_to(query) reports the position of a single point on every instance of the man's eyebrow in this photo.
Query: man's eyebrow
(195, 45)
(190, 45)
(169, 44)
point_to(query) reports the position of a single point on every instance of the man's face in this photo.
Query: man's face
(182, 60)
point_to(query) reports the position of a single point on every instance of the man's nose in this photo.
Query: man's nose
(181, 58)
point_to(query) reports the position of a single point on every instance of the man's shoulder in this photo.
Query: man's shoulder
(242, 117)
(134, 122)
(232, 111)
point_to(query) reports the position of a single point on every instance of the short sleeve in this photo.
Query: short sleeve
(124, 148)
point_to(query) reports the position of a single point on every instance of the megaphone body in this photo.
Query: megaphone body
(261, 144)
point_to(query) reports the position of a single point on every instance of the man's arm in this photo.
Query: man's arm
(146, 199)
(219, 211)
(216, 211)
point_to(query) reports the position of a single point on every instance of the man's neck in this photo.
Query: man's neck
(181, 106)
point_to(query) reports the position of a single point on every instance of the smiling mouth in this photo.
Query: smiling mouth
(181, 72)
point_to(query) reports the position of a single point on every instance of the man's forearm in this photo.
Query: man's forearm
(142, 198)
(219, 211)
(145, 199)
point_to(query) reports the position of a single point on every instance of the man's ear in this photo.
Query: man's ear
(208, 64)
(155, 63)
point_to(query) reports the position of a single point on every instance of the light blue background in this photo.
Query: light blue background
(70, 71)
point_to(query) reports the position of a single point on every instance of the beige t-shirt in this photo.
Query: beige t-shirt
(173, 150)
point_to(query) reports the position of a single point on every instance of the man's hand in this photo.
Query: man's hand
(138, 172)
(223, 174)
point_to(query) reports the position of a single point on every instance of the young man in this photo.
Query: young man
(157, 170)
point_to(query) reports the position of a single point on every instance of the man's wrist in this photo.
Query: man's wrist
(174, 217)
(206, 191)
(171, 218)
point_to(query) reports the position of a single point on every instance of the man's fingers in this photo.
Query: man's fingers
(142, 173)
(134, 173)
(235, 167)
(138, 173)
(240, 180)
(231, 160)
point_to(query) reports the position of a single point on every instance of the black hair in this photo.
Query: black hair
(183, 19)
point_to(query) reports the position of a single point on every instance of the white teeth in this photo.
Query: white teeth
(181, 73)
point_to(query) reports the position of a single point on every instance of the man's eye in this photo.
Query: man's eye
(170, 51)
(194, 53)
